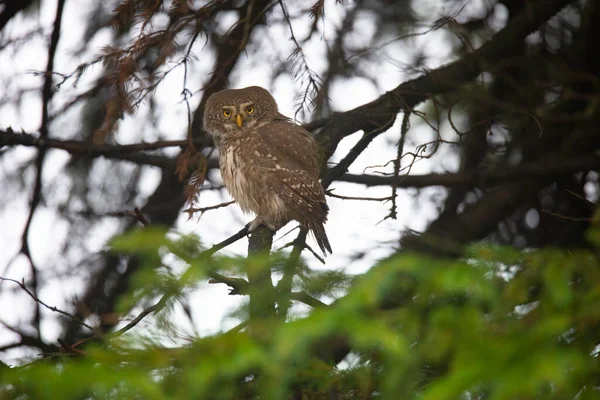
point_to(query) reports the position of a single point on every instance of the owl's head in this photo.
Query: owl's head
(235, 111)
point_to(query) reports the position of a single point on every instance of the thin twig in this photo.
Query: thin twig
(51, 308)
(337, 196)
(577, 219)
(301, 67)
(36, 197)
(358, 148)
(397, 163)
(484, 178)
(140, 316)
(192, 210)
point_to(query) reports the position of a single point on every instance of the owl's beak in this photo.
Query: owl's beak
(238, 119)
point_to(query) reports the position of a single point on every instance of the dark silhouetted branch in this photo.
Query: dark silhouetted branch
(36, 196)
(40, 302)
(482, 178)
(407, 95)
(129, 152)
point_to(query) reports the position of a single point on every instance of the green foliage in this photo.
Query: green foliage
(412, 327)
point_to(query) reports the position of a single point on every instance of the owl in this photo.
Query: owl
(269, 164)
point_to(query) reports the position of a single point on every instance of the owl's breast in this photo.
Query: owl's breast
(237, 177)
(247, 184)
(231, 167)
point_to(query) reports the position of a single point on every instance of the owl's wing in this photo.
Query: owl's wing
(294, 144)
(287, 156)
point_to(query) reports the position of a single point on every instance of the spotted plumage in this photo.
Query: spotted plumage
(269, 164)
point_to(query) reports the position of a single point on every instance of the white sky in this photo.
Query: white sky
(353, 226)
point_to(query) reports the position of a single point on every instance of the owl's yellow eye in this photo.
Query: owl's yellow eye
(249, 110)
(226, 113)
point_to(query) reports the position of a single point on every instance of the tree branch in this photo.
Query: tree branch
(51, 308)
(483, 178)
(447, 78)
(36, 196)
(127, 152)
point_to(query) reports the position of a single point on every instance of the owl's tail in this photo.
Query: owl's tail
(321, 237)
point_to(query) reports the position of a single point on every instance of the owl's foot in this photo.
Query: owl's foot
(258, 221)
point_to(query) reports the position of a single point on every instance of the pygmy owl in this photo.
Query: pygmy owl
(269, 164)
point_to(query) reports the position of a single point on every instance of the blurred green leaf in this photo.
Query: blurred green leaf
(416, 327)
(148, 239)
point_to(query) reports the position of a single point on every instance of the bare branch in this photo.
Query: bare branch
(441, 80)
(483, 178)
(201, 210)
(36, 196)
(148, 310)
(125, 152)
(337, 196)
(353, 154)
(51, 308)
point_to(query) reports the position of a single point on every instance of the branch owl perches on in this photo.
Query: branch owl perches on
(269, 164)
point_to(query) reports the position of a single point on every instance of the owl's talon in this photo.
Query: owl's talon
(258, 222)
